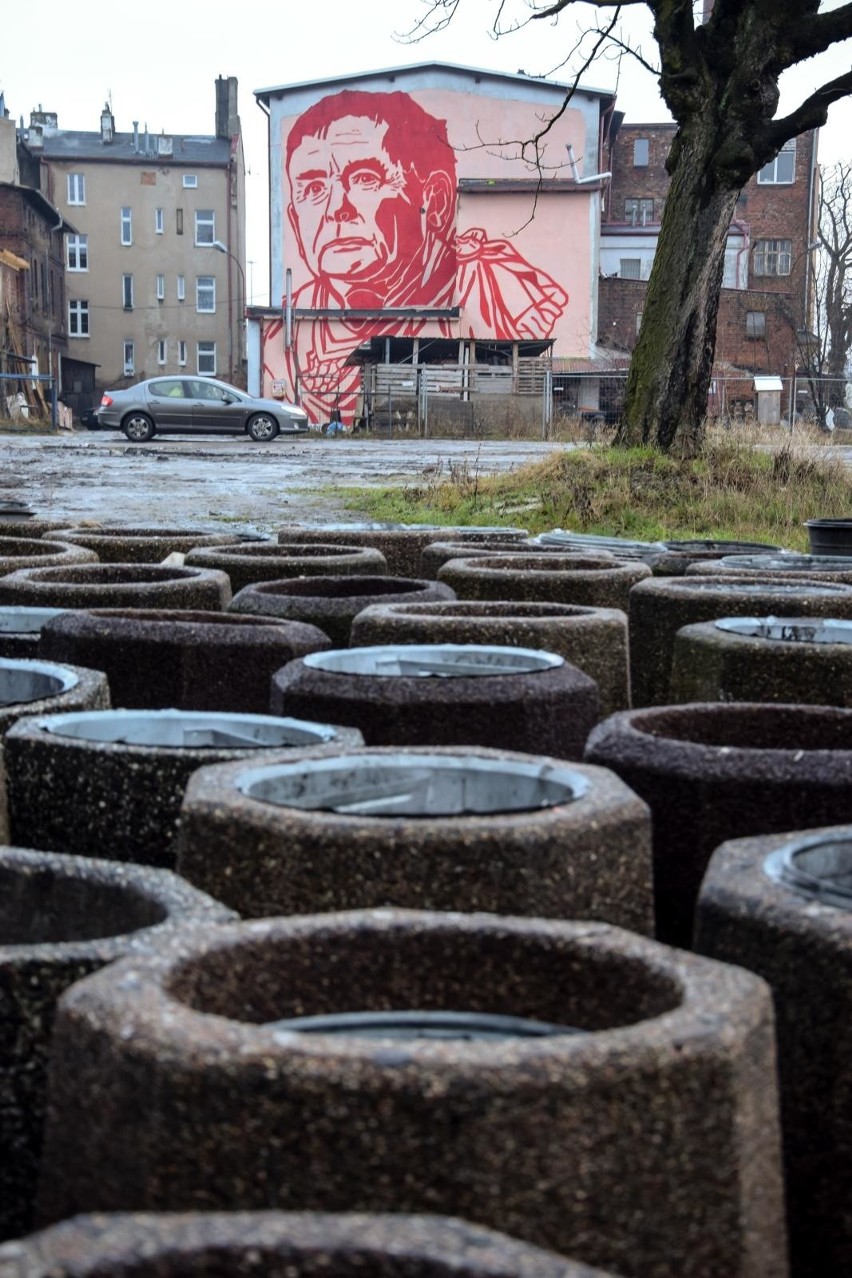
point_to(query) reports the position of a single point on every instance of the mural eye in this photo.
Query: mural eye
(366, 180)
(314, 190)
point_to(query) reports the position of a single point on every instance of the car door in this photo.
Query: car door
(169, 404)
(214, 407)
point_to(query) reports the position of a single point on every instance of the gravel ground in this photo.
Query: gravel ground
(100, 477)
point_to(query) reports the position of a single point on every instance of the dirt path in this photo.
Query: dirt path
(90, 476)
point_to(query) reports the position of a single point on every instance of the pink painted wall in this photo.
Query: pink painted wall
(373, 219)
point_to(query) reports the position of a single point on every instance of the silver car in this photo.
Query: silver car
(189, 404)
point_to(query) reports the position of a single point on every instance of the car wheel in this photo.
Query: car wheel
(261, 428)
(138, 427)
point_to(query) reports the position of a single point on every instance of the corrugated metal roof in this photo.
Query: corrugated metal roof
(615, 363)
(188, 150)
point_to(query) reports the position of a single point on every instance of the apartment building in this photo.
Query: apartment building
(155, 277)
(767, 290)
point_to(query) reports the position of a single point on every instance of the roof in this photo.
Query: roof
(422, 68)
(197, 151)
(42, 204)
(614, 362)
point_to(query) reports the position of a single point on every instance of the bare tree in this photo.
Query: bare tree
(719, 78)
(833, 283)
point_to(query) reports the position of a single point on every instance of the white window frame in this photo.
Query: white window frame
(182, 353)
(159, 222)
(161, 288)
(78, 318)
(190, 181)
(205, 221)
(782, 170)
(126, 223)
(205, 290)
(127, 292)
(629, 274)
(772, 257)
(129, 358)
(77, 252)
(76, 188)
(181, 288)
(206, 351)
(161, 351)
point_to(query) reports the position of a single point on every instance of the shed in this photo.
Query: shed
(768, 394)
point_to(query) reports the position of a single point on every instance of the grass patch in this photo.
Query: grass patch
(736, 488)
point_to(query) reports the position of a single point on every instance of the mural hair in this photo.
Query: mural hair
(415, 140)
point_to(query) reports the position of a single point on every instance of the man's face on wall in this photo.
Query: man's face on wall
(352, 208)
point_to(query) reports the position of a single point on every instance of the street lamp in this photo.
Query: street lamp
(223, 248)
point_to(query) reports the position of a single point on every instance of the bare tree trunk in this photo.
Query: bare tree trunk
(672, 363)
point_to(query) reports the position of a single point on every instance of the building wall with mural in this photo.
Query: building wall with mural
(416, 204)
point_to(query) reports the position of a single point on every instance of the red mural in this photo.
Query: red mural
(372, 206)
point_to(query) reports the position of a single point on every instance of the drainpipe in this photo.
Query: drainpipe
(229, 240)
(745, 228)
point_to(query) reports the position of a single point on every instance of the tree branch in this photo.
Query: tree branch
(810, 114)
(810, 34)
(557, 6)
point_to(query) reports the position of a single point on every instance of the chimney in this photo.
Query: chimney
(107, 125)
(47, 121)
(135, 135)
(227, 119)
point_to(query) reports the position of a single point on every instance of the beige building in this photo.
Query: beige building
(155, 277)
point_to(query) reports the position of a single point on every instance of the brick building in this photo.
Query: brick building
(767, 297)
(33, 332)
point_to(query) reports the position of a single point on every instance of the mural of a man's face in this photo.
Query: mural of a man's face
(353, 208)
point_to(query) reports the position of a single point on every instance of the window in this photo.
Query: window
(630, 268)
(182, 353)
(161, 351)
(205, 293)
(77, 252)
(76, 188)
(127, 292)
(640, 153)
(126, 226)
(782, 169)
(168, 390)
(190, 180)
(159, 222)
(181, 288)
(772, 257)
(78, 319)
(161, 288)
(638, 322)
(179, 221)
(755, 324)
(205, 226)
(129, 359)
(207, 359)
(638, 212)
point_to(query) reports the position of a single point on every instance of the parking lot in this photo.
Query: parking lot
(101, 477)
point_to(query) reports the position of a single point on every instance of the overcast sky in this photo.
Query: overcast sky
(157, 63)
